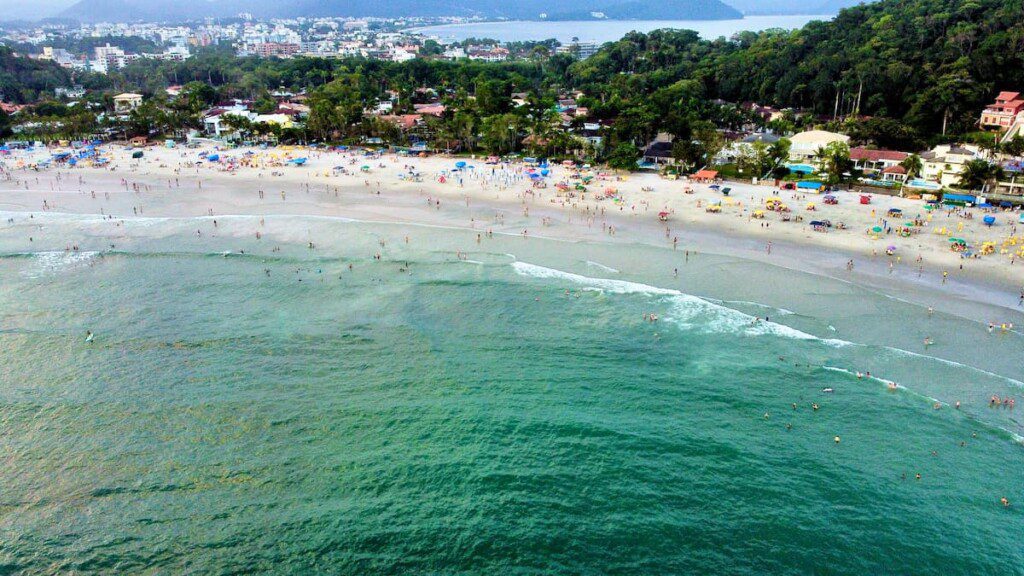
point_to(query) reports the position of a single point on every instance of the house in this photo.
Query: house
(659, 151)
(76, 91)
(1012, 182)
(125, 103)
(1003, 112)
(876, 160)
(805, 145)
(404, 121)
(895, 173)
(433, 109)
(944, 163)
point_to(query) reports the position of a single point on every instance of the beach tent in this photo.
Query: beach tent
(958, 199)
(704, 175)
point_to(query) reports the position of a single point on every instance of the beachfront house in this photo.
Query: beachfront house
(944, 163)
(869, 160)
(659, 151)
(125, 103)
(895, 173)
(805, 145)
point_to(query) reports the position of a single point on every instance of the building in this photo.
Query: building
(805, 145)
(944, 163)
(59, 55)
(876, 160)
(281, 49)
(125, 103)
(1002, 114)
(75, 92)
(894, 174)
(581, 50)
(659, 151)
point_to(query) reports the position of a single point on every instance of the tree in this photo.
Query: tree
(913, 165)
(624, 156)
(834, 160)
(1015, 146)
(977, 173)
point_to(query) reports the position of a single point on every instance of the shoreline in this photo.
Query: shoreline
(510, 208)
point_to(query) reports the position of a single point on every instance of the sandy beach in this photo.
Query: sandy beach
(180, 183)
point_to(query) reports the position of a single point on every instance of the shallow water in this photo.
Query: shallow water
(511, 414)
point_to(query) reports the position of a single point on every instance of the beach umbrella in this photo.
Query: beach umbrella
(877, 230)
(891, 248)
(460, 164)
(544, 172)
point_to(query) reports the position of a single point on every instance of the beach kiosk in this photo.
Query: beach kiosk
(810, 186)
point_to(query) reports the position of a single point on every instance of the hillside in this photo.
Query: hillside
(164, 10)
(920, 61)
(813, 7)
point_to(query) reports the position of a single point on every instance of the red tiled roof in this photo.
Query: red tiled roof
(897, 169)
(877, 155)
(1007, 96)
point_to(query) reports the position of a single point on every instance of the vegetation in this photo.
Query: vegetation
(893, 74)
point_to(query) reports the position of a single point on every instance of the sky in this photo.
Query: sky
(12, 9)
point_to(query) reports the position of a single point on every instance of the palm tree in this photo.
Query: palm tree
(913, 165)
(977, 173)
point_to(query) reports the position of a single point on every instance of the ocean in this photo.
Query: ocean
(302, 410)
(610, 30)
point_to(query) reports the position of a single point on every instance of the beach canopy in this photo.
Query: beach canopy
(705, 175)
(959, 197)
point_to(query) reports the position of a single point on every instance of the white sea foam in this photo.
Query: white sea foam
(779, 311)
(600, 266)
(687, 311)
(56, 262)
(956, 364)
(863, 376)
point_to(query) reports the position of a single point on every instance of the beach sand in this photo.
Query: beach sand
(169, 183)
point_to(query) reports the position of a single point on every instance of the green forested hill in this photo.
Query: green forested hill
(915, 60)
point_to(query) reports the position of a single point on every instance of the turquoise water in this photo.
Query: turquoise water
(802, 168)
(279, 412)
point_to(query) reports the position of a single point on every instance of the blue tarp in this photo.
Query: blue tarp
(809, 185)
(959, 197)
